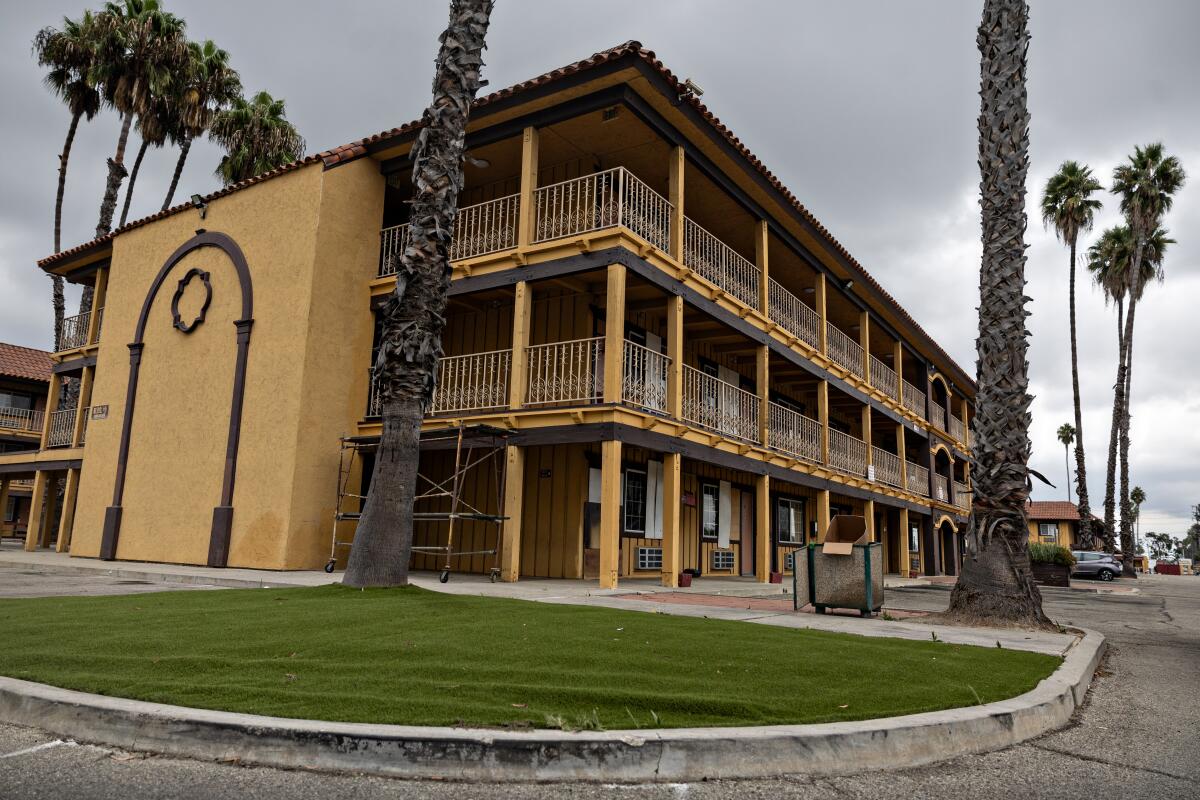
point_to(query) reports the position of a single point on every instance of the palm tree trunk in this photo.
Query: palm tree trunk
(413, 317)
(137, 165)
(996, 584)
(1067, 459)
(184, 147)
(116, 174)
(1126, 504)
(1086, 531)
(60, 304)
(1114, 433)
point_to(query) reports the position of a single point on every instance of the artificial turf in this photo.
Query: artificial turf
(412, 656)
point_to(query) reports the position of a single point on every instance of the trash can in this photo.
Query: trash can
(846, 571)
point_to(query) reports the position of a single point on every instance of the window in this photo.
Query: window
(15, 400)
(649, 558)
(914, 539)
(789, 520)
(10, 510)
(634, 500)
(1049, 532)
(722, 559)
(710, 498)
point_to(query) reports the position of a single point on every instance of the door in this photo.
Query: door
(749, 535)
(591, 527)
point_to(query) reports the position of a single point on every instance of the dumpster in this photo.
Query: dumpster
(846, 571)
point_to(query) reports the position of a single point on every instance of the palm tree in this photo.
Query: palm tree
(996, 582)
(413, 318)
(139, 51)
(154, 125)
(257, 138)
(211, 86)
(1137, 496)
(1066, 435)
(1146, 186)
(68, 55)
(1068, 206)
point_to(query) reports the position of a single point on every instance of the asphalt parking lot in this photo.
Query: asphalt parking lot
(1136, 736)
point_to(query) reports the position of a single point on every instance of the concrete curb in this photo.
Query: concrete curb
(684, 754)
(150, 576)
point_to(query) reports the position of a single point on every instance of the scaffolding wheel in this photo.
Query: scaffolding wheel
(330, 565)
(444, 577)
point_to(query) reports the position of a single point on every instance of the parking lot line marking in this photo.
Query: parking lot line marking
(37, 747)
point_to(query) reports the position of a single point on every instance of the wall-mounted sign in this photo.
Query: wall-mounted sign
(100, 412)
(689, 499)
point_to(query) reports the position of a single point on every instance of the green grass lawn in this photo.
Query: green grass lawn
(412, 656)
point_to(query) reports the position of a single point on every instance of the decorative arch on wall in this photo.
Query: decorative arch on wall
(946, 519)
(222, 522)
(941, 447)
(936, 377)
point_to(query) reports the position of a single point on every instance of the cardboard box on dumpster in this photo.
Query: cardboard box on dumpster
(845, 531)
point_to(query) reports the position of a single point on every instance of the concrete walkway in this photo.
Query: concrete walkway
(632, 595)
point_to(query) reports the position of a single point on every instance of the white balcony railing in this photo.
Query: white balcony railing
(566, 372)
(21, 419)
(918, 478)
(475, 382)
(644, 377)
(884, 379)
(62, 428)
(914, 400)
(887, 466)
(941, 488)
(480, 229)
(962, 496)
(847, 453)
(793, 433)
(793, 314)
(603, 200)
(719, 263)
(937, 415)
(844, 350)
(75, 331)
(711, 403)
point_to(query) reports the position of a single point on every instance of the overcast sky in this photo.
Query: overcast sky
(866, 110)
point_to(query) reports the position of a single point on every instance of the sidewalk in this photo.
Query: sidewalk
(714, 598)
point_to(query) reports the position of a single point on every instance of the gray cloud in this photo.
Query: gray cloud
(866, 110)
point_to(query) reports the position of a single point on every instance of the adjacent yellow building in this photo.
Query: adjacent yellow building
(677, 367)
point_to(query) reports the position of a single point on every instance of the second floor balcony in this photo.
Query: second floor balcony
(77, 330)
(21, 420)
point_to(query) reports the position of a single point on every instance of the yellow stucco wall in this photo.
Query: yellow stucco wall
(300, 235)
(1066, 532)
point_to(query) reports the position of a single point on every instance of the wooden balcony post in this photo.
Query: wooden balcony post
(610, 511)
(868, 439)
(614, 333)
(864, 341)
(675, 353)
(905, 562)
(762, 528)
(518, 373)
(99, 294)
(819, 298)
(898, 365)
(672, 512)
(51, 406)
(762, 384)
(66, 522)
(81, 407)
(823, 418)
(514, 506)
(762, 241)
(4, 500)
(36, 499)
(527, 213)
(43, 538)
(675, 190)
(900, 448)
(963, 416)
(869, 515)
(822, 514)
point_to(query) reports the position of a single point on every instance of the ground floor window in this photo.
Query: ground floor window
(710, 501)
(914, 539)
(10, 510)
(1049, 532)
(789, 520)
(633, 499)
(649, 558)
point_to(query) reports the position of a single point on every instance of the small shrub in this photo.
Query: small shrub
(1040, 553)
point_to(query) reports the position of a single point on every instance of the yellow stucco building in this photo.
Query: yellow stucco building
(691, 372)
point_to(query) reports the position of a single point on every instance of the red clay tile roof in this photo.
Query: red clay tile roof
(1052, 510)
(358, 149)
(25, 362)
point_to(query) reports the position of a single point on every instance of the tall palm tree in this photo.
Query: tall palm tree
(413, 318)
(1066, 435)
(1146, 185)
(996, 582)
(257, 138)
(1137, 496)
(68, 55)
(212, 84)
(154, 125)
(1108, 261)
(1068, 206)
(139, 51)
